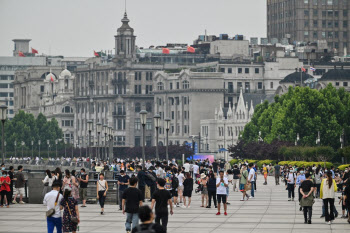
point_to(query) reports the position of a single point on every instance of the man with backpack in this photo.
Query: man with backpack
(151, 180)
(146, 216)
(141, 175)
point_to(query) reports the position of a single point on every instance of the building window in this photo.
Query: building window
(345, 35)
(149, 107)
(137, 89)
(240, 70)
(345, 13)
(345, 24)
(306, 13)
(330, 13)
(185, 100)
(306, 1)
(149, 124)
(315, 12)
(137, 124)
(172, 115)
(345, 84)
(315, 2)
(170, 86)
(306, 23)
(260, 85)
(67, 109)
(137, 141)
(271, 85)
(337, 84)
(185, 84)
(222, 70)
(229, 70)
(314, 34)
(148, 141)
(137, 107)
(315, 23)
(149, 89)
(257, 70)
(323, 34)
(160, 86)
(246, 70)
(324, 14)
(330, 24)
(230, 87)
(177, 85)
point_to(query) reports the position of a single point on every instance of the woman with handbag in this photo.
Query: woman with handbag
(102, 188)
(47, 183)
(71, 217)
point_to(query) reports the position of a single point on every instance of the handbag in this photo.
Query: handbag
(72, 218)
(52, 211)
(248, 186)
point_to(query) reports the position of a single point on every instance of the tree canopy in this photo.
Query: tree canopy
(305, 111)
(24, 127)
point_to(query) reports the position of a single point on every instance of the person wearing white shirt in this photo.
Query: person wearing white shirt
(180, 176)
(195, 169)
(187, 166)
(251, 178)
(52, 200)
(221, 192)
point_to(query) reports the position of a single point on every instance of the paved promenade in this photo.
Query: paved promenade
(269, 212)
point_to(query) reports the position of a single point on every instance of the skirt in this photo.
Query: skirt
(309, 201)
(46, 189)
(205, 191)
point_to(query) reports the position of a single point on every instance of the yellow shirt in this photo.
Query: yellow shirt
(265, 170)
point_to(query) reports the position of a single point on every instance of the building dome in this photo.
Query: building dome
(336, 74)
(295, 77)
(65, 73)
(50, 77)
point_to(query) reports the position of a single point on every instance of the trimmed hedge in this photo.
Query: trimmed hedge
(306, 164)
(342, 167)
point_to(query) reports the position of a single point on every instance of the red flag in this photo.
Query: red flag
(96, 54)
(52, 80)
(165, 51)
(191, 49)
(34, 51)
(20, 54)
(303, 69)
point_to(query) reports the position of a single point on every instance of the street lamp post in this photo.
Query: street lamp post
(22, 144)
(260, 138)
(65, 151)
(5, 146)
(39, 142)
(99, 129)
(143, 115)
(111, 143)
(56, 142)
(90, 124)
(156, 125)
(79, 144)
(297, 140)
(3, 116)
(167, 126)
(48, 149)
(105, 131)
(32, 149)
(15, 143)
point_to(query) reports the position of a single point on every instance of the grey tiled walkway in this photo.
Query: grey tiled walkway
(269, 212)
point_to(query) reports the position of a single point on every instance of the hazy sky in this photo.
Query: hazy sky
(77, 27)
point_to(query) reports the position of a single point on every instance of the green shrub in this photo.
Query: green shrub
(342, 167)
(234, 161)
(304, 163)
(267, 161)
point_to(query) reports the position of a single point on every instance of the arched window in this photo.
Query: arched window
(137, 107)
(67, 109)
(185, 84)
(160, 86)
(120, 76)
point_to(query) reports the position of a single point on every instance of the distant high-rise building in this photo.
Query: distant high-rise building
(310, 20)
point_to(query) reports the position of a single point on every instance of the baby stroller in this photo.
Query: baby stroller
(199, 188)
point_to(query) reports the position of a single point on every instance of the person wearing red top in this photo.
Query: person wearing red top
(5, 190)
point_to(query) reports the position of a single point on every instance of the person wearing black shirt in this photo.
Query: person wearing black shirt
(307, 188)
(215, 167)
(146, 216)
(123, 182)
(188, 189)
(212, 190)
(132, 200)
(277, 173)
(141, 175)
(150, 180)
(83, 181)
(235, 182)
(347, 198)
(160, 199)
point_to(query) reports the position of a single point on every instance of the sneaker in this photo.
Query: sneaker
(14, 202)
(251, 197)
(309, 222)
(177, 205)
(289, 199)
(128, 231)
(242, 199)
(225, 214)
(216, 207)
(189, 206)
(21, 202)
(336, 215)
(328, 223)
(218, 213)
(227, 203)
(322, 216)
(208, 207)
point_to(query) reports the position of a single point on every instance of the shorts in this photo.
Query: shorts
(174, 193)
(241, 187)
(20, 191)
(265, 175)
(83, 193)
(205, 191)
(187, 193)
(180, 188)
(222, 197)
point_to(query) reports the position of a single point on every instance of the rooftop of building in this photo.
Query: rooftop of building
(336, 74)
(295, 77)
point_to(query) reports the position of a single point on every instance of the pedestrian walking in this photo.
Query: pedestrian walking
(47, 181)
(307, 188)
(277, 173)
(131, 201)
(318, 181)
(141, 176)
(265, 172)
(235, 183)
(102, 188)
(11, 175)
(291, 179)
(221, 192)
(123, 182)
(51, 200)
(5, 190)
(204, 186)
(251, 178)
(19, 185)
(347, 198)
(243, 182)
(71, 217)
(83, 184)
(188, 189)
(151, 181)
(146, 216)
(212, 190)
(328, 190)
(161, 199)
(75, 188)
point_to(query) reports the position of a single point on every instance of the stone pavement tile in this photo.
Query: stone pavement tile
(257, 230)
(274, 226)
(200, 225)
(307, 230)
(277, 220)
(340, 225)
(241, 225)
(192, 230)
(235, 230)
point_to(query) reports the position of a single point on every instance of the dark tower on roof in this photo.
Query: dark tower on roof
(125, 49)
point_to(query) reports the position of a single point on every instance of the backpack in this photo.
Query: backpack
(151, 177)
(148, 230)
(175, 183)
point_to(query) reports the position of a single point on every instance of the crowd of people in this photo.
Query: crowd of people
(167, 186)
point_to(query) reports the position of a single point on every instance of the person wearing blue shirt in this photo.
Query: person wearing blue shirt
(123, 182)
(300, 179)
